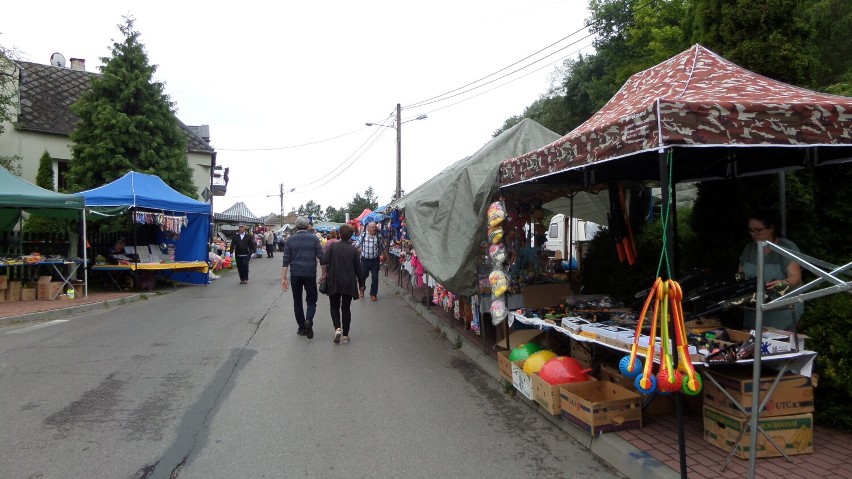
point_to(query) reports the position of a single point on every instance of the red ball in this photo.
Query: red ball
(562, 370)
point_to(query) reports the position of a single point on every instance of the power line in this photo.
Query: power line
(374, 136)
(436, 97)
(508, 74)
(508, 82)
(294, 146)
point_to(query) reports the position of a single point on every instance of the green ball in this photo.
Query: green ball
(523, 351)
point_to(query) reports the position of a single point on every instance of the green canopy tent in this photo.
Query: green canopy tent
(17, 195)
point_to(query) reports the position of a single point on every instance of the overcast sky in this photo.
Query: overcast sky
(270, 78)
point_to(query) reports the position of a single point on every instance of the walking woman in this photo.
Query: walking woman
(343, 281)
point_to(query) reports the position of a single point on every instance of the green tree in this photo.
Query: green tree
(44, 179)
(311, 210)
(127, 122)
(335, 215)
(8, 95)
(360, 203)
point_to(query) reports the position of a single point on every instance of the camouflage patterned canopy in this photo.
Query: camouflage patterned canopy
(701, 101)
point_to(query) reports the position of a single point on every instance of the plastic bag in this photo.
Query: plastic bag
(496, 213)
(499, 283)
(498, 311)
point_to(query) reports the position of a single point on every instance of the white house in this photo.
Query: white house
(43, 122)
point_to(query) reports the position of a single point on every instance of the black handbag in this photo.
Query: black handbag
(323, 285)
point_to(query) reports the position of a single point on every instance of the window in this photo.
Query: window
(554, 230)
(62, 175)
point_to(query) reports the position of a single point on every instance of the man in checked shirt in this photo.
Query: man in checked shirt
(371, 247)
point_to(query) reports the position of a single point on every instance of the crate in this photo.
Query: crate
(794, 393)
(794, 434)
(547, 395)
(598, 407)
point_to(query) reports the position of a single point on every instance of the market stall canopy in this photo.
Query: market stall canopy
(17, 194)
(238, 213)
(373, 217)
(360, 217)
(326, 226)
(719, 121)
(447, 219)
(140, 191)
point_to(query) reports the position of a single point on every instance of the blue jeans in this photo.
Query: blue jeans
(310, 285)
(371, 267)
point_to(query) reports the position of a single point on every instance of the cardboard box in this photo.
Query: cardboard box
(793, 434)
(13, 291)
(4, 281)
(49, 290)
(28, 294)
(655, 404)
(793, 395)
(582, 351)
(521, 380)
(600, 406)
(505, 365)
(521, 336)
(574, 324)
(547, 395)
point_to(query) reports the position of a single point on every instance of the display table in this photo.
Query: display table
(168, 270)
(799, 362)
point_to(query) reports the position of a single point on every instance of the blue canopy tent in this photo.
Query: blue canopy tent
(139, 191)
(373, 218)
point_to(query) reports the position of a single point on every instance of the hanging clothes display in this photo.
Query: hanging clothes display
(171, 225)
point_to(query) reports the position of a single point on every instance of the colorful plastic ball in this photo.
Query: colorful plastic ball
(536, 360)
(523, 351)
(562, 370)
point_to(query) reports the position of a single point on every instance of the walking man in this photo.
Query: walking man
(242, 247)
(371, 247)
(269, 240)
(302, 252)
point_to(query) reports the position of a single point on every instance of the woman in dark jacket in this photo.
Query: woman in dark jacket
(343, 281)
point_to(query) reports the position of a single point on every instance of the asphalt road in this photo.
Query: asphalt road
(213, 382)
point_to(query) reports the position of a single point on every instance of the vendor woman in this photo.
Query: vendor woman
(778, 271)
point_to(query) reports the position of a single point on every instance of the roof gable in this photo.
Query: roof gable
(47, 93)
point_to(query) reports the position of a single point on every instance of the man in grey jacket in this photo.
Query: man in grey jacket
(302, 252)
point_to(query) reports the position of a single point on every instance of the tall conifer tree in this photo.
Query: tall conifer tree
(127, 122)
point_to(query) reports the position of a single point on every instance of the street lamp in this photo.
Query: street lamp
(398, 125)
(281, 196)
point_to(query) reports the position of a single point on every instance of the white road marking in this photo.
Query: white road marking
(37, 326)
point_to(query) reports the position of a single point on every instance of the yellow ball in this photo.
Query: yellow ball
(536, 360)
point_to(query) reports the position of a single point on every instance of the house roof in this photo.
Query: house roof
(47, 93)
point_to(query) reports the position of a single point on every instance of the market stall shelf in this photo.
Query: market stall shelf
(170, 271)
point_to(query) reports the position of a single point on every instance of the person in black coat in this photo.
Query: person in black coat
(344, 281)
(242, 248)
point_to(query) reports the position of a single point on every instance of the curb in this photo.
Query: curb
(69, 311)
(626, 458)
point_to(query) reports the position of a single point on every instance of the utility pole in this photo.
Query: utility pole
(281, 193)
(398, 194)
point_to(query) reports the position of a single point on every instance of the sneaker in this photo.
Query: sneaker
(345, 339)
(373, 298)
(309, 329)
(300, 332)
(337, 334)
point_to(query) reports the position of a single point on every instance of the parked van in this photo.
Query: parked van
(564, 231)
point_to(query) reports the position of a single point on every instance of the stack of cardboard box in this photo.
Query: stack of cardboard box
(787, 418)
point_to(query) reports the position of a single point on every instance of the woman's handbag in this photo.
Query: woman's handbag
(323, 285)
